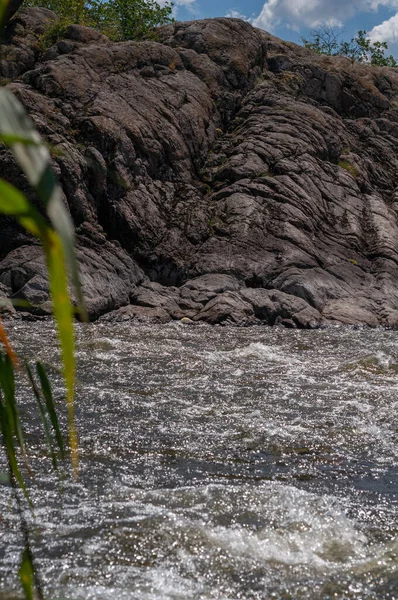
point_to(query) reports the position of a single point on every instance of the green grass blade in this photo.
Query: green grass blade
(47, 393)
(11, 410)
(63, 225)
(15, 121)
(7, 429)
(58, 247)
(7, 383)
(42, 415)
(14, 204)
(35, 161)
(63, 312)
(27, 574)
(11, 138)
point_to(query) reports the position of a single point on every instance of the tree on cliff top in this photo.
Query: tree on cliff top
(128, 19)
(118, 19)
(325, 40)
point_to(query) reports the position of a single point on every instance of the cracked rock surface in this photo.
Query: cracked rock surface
(218, 175)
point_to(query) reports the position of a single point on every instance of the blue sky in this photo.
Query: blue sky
(292, 19)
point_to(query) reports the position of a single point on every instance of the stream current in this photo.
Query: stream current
(218, 463)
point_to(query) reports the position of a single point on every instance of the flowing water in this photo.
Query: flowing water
(219, 463)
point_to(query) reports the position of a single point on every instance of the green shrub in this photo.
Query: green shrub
(325, 40)
(53, 33)
(118, 19)
(129, 19)
(351, 169)
(75, 11)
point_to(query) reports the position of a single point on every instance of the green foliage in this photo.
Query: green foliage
(10, 426)
(50, 416)
(351, 169)
(129, 19)
(53, 33)
(360, 48)
(73, 11)
(118, 19)
(323, 41)
(11, 430)
(26, 574)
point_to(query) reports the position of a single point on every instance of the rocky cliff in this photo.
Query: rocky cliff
(219, 174)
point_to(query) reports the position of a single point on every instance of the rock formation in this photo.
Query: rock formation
(219, 174)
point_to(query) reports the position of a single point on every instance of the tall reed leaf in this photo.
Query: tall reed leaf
(56, 234)
(7, 384)
(7, 430)
(52, 413)
(58, 244)
(34, 159)
(42, 415)
(27, 574)
(14, 203)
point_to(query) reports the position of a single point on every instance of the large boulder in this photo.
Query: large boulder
(219, 174)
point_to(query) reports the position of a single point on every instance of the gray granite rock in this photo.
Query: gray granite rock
(219, 174)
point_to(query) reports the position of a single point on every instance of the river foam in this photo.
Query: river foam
(220, 464)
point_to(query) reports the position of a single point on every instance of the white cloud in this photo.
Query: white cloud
(235, 14)
(386, 31)
(311, 13)
(188, 4)
(303, 12)
(183, 2)
(375, 4)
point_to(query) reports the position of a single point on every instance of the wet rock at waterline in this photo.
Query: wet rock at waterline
(219, 174)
